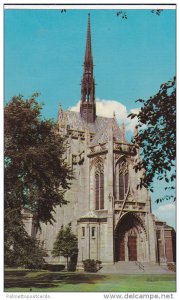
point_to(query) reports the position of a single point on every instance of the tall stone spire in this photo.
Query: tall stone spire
(88, 60)
(88, 105)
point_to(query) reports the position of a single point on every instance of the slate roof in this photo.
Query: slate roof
(100, 127)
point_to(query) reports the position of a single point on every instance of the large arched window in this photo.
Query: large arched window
(99, 189)
(122, 180)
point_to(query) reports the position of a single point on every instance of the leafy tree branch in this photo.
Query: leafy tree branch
(157, 137)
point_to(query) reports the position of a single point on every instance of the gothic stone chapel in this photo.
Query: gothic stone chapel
(110, 216)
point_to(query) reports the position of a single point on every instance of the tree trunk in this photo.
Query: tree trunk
(67, 262)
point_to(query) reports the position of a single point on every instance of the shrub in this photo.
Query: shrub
(91, 265)
(171, 267)
(98, 263)
(55, 267)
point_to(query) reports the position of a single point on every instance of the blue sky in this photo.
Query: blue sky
(44, 52)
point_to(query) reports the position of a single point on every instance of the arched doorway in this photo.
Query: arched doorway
(130, 239)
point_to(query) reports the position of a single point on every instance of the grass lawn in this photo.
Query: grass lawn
(46, 281)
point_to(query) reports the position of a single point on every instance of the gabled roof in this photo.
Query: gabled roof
(100, 127)
(102, 135)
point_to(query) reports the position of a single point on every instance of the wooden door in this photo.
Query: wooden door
(132, 248)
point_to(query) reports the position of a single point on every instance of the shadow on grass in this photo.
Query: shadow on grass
(16, 273)
(48, 280)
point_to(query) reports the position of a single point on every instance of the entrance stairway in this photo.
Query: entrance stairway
(133, 268)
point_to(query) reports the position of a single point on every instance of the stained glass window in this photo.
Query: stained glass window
(99, 190)
(123, 181)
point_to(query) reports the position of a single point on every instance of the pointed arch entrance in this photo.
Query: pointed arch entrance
(130, 239)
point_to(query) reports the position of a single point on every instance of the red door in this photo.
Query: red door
(132, 248)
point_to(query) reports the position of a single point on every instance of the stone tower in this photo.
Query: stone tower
(110, 216)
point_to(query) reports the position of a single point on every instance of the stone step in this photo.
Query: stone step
(132, 268)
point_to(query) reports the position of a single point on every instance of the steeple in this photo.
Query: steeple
(88, 60)
(88, 106)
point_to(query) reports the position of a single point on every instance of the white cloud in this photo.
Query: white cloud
(131, 123)
(76, 107)
(167, 213)
(107, 108)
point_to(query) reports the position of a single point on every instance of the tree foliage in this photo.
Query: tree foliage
(66, 244)
(124, 15)
(157, 136)
(157, 11)
(36, 175)
(19, 248)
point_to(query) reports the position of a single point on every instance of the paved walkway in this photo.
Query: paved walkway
(132, 268)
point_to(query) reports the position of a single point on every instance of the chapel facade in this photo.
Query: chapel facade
(110, 216)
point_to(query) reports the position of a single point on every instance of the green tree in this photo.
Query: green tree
(20, 248)
(66, 244)
(36, 175)
(124, 15)
(157, 137)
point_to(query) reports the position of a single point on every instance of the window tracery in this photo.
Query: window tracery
(99, 188)
(122, 180)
